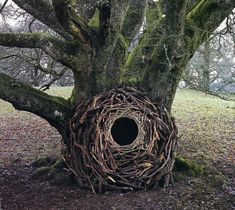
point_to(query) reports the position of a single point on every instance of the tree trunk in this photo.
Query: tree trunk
(205, 77)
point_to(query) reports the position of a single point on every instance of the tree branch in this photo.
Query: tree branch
(52, 46)
(35, 63)
(27, 40)
(56, 76)
(2, 7)
(119, 10)
(205, 17)
(170, 41)
(104, 18)
(23, 97)
(209, 92)
(72, 22)
(43, 11)
(134, 18)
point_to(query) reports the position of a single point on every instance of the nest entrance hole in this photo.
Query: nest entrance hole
(124, 131)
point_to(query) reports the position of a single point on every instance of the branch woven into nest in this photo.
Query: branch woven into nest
(100, 163)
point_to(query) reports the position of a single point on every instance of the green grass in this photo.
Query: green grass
(190, 102)
(206, 126)
(205, 123)
(187, 103)
(64, 92)
(5, 107)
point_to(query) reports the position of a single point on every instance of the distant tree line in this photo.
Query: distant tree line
(33, 66)
(212, 68)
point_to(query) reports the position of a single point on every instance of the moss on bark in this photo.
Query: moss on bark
(23, 97)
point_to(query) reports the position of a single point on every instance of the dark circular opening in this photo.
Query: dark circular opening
(124, 131)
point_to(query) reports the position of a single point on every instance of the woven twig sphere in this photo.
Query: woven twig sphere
(121, 140)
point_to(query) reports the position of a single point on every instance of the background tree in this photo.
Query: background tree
(211, 69)
(32, 66)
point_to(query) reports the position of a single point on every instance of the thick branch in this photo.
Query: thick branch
(43, 11)
(104, 18)
(52, 46)
(205, 17)
(119, 10)
(23, 97)
(210, 13)
(27, 40)
(71, 22)
(134, 18)
(173, 38)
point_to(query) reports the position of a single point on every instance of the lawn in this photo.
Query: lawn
(205, 122)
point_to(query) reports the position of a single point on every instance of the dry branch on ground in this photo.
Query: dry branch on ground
(109, 152)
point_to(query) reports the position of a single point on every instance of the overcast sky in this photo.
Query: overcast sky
(1, 1)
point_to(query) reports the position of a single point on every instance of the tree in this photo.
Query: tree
(32, 66)
(211, 69)
(94, 45)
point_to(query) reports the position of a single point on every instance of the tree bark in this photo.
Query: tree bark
(205, 78)
(176, 33)
(43, 11)
(23, 97)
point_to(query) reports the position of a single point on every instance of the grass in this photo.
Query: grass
(187, 103)
(190, 102)
(6, 107)
(206, 126)
(65, 92)
(206, 123)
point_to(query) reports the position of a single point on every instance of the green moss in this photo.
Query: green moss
(189, 166)
(153, 14)
(184, 168)
(43, 161)
(201, 12)
(94, 22)
(120, 49)
(140, 58)
(200, 23)
(59, 164)
(55, 172)
(40, 172)
(134, 68)
(134, 19)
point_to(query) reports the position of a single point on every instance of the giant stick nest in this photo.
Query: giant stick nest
(121, 140)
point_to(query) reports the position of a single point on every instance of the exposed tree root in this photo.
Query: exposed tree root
(55, 171)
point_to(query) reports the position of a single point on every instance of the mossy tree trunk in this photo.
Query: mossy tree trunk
(95, 48)
(175, 31)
